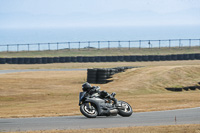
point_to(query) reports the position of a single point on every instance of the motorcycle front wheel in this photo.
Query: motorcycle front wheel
(90, 112)
(127, 111)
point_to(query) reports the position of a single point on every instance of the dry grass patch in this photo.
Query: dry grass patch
(31, 94)
(195, 128)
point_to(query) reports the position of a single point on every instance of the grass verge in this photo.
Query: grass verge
(33, 94)
(190, 128)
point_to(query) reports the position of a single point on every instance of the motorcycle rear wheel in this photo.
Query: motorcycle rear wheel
(127, 111)
(90, 113)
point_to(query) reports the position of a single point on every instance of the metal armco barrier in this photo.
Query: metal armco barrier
(130, 58)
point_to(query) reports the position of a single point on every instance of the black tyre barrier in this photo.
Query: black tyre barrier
(180, 57)
(38, 60)
(151, 58)
(121, 58)
(32, 60)
(14, 60)
(174, 89)
(2, 60)
(197, 56)
(103, 59)
(102, 75)
(97, 59)
(138, 58)
(79, 59)
(56, 60)
(91, 59)
(62, 59)
(9, 60)
(157, 57)
(162, 57)
(145, 58)
(49, 59)
(73, 59)
(173, 57)
(185, 57)
(192, 87)
(26, 60)
(114, 58)
(185, 88)
(20, 60)
(133, 58)
(109, 58)
(44, 60)
(127, 58)
(85, 59)
(168, 57)
(191, 56)
(68, 59)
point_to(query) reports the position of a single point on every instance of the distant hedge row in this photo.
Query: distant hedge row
(131, 58)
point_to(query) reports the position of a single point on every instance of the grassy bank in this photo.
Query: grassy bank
(31, 94)
(103, 52)
(195, 128)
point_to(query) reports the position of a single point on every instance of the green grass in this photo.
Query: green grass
(103, 52)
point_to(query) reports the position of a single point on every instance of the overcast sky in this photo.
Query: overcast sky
(97, 13)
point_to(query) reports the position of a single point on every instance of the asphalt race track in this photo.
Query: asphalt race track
(156, 118)
(173, 117)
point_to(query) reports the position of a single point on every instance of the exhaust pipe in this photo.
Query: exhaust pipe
(114, 112)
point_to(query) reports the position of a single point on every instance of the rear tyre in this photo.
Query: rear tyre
(127, 111)
(88, 112)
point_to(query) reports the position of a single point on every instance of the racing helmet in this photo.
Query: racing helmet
(86, 86)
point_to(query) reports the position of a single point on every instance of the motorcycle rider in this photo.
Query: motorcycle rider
(95, 89)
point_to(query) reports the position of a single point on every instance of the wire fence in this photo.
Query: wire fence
(168, 43)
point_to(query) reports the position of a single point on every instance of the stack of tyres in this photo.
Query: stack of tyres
(162, 57)
(197, 56)
(121, 58)
(9, 60)
(102, 76)
(173, 57)
(133, 58)
(97, 59)
(92, 76)
(191, 56)
(44, 60)
(62, 59)
(127, 58)
(151, 58)
(145, 58)
(2, 60)
(79, 59)
(180, 57)
(38, 60)
(73, 59)
(14, 60)
(21, 60)
(26, 60)
(103, 58)
(49, 59)
(85, 59)
(68, 59)
(32, 60)
(115, 58)
(109, 58)
(55, 59)
(91, 59)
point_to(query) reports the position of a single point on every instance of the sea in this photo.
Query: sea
(59, 38)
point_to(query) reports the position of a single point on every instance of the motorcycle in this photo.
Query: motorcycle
(93, 105)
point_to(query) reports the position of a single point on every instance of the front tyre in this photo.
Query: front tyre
(90, 112)
(126, 111)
